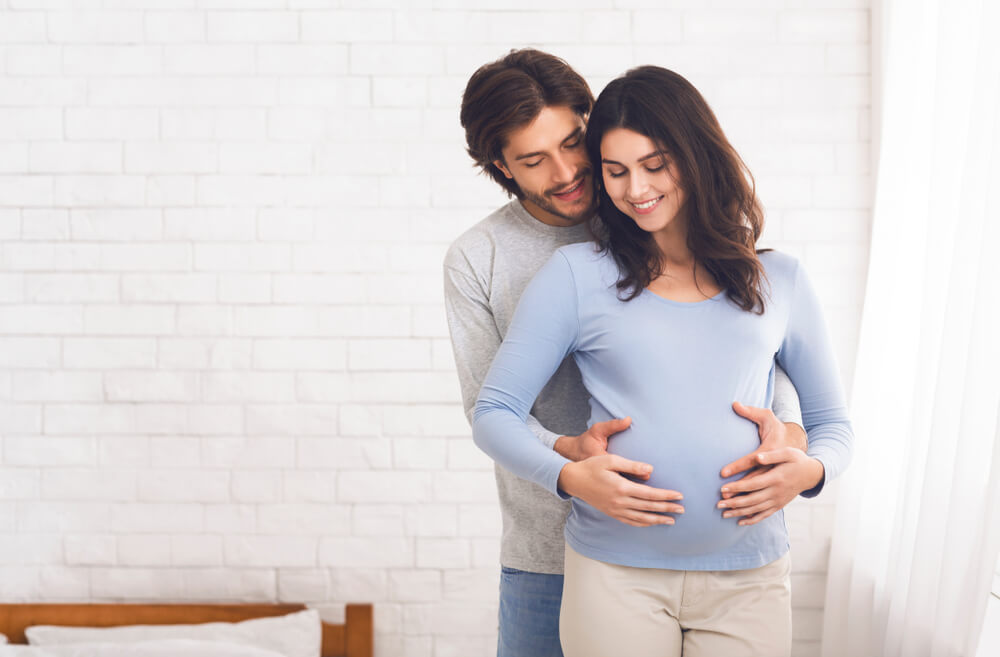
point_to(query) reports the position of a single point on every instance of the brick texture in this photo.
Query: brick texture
(224, 367)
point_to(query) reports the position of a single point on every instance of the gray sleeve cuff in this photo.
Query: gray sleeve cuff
(786, 399)
(547, 437)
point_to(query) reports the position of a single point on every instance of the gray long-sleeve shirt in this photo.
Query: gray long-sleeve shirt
(485, 271)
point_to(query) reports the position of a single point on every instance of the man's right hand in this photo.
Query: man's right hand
(592, 442)
(596, 481)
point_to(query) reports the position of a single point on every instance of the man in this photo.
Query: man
(524, 118)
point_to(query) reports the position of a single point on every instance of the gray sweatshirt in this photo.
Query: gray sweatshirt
(485, 271)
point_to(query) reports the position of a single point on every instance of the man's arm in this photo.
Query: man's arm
(785, 404)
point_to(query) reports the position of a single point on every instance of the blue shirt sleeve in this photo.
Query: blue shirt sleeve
(806, 354)
(543, 331)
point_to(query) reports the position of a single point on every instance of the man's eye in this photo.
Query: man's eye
(575, 144)
(532, 165)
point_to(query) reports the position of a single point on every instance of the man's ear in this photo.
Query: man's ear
(503, 168)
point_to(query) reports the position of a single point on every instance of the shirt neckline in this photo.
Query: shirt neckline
(555, 231)
(682, 304)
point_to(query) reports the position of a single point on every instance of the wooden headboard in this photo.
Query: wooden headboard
(352, 639)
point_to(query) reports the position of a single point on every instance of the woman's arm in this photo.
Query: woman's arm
(475, 339)
(542, 333)
(544, 330)
(806, 353)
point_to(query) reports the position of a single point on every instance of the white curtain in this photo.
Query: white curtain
(918, 521)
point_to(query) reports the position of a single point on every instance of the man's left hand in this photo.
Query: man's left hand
(774, 434)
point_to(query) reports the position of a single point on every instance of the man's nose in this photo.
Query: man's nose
(565, 169)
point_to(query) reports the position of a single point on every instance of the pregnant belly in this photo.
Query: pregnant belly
(686, 460)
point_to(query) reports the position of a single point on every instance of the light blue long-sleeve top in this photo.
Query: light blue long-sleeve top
(676, 368)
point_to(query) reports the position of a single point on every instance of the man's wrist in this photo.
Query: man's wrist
(796, 435)
(564, 447)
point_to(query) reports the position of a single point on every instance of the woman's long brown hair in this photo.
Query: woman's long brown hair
(724, 218)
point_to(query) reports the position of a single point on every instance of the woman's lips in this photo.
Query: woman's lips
(646, 206)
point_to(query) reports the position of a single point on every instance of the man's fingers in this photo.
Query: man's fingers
(752, 413)
(610, 427)
(740, 465)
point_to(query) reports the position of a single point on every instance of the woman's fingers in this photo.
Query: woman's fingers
(754, 519)
(750, 484)
(743, 502)
(640, 519)
(750, 510)
(645, 492)
(657, 507)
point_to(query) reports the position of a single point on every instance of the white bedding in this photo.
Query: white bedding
(294, 635)
(154, 648)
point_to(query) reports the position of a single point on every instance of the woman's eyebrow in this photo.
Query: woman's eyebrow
(641, 159)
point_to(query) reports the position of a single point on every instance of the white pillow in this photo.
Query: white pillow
(23, 651)
(155, 648)
(3, 639)
(293, 635)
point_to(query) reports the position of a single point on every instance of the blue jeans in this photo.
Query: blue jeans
(529, 614)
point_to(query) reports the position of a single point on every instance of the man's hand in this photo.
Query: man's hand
(759, 495)
(596, 481)
(774, 434)
(592, 442)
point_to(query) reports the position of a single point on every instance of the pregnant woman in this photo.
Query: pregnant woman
(671, 316)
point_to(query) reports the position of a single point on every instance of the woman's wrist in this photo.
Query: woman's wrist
(816, 473)
(564, 481)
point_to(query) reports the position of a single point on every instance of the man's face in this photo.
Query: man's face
(548, 161)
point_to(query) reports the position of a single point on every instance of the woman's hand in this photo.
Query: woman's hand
(760, 494)
(598, 481)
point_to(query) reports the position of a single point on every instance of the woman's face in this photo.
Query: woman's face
(641, 180)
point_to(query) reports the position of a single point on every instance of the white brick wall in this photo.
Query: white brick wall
(224, 367)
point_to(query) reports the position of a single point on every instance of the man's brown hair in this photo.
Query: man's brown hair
(510, 93)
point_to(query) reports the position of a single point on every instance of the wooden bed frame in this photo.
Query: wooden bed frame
(352, 639)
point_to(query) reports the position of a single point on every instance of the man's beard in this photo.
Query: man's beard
(547, 203)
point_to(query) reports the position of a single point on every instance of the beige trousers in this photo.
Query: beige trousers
(610, 610)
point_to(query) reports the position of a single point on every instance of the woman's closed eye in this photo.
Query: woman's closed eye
(650, 169)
